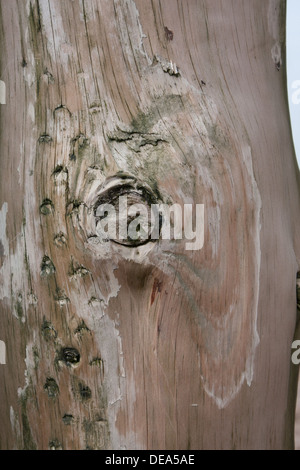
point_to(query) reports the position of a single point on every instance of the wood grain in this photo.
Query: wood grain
(167, 348)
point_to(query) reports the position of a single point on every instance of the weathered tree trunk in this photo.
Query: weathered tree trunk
(153, 346)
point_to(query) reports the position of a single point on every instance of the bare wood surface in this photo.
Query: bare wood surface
(151, 347)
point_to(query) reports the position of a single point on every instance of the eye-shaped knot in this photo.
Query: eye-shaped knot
(70, 356)
(127, 212)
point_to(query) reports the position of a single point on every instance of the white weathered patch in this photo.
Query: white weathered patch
(15, 425)
(30, 365)
(275, 30)
(12, 279)
(2, 92)
(31, 112)
(29, 72)
(19, 170)
(116, 382)
(32, 299)
(132, 18)
(3, 237)
(2, 353)
(230, 391)
(222, 402)
(247, 158)
(276, 55)
(12, 270)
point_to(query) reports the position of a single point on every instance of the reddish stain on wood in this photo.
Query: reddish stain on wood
(156, 288)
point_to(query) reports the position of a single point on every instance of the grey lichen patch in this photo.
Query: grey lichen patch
(47, 267)
(165, 105)
(51, 387)
(48, 331)
(47, 207)
(135, 141)
(216, 136)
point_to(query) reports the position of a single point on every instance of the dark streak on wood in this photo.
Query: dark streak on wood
(169, 34)
(157, 286)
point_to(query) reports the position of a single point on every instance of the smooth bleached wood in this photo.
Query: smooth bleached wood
(153, 346)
